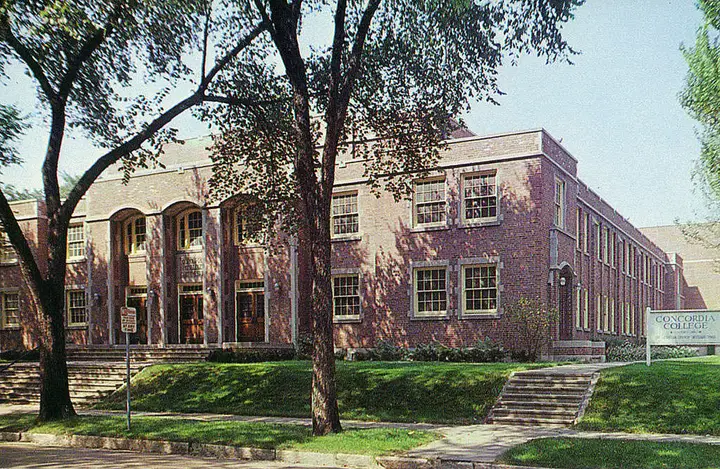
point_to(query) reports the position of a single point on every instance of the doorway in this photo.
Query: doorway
(136, 297)
(565, 303)
(190, 306)
(250, 311)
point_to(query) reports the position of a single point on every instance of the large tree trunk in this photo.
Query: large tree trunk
(325, 414)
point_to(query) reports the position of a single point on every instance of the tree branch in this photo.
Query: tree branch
(208, 12)
(26, 56)
(86, 51)
(11, 227)
(236, 101)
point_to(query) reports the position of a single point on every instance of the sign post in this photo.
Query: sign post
(682, 327)
(128, 325)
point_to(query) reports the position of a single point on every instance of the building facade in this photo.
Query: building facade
(500, 218)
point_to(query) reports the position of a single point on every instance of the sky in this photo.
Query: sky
(616, 110)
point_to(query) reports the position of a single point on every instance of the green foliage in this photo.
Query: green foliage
(67, 183)
(625, 351)
(484, 351)
(605, 453)
(253, 355)
(679, 396)
(11, 127)
(371, 442)
(533, 322)
(396, 392)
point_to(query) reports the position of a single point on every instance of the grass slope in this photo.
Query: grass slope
(371, 442)
(679, 396)
(580, 453)
(378, 391)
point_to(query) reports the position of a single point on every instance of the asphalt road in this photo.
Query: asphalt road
(24, 455)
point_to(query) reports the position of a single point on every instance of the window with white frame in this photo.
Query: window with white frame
(429, 202)
(606, 244)
(190, 230)
(578, 230)
(430, 291)
(345, 214)
(76, 242)
(598, 241)
(479, 197)
(10, 304)
(606, 314)
(559, 203)
(7, 251)
(613, 323)
(480, 289)
(247, 224)
(586, 239)
(76, 307)
(346, 296)
(578, 309)
(135, 235)
(598, 313)
(586, 309)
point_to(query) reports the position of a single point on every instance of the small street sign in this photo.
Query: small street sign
(128, 320)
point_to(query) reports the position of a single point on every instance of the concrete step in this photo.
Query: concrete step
(532, 421)
(521, 404)
(537, 412)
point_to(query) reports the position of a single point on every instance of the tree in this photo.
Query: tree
(80, 54)
(701, 98)
(396, 70)
(11, 127)
(533, 322)
(13, 193)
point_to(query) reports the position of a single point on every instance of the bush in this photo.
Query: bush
(533, 321)
(484, 351)
(251, 355)
(624, 351)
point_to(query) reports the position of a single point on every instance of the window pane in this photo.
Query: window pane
(480, 194)
(76, 307)
(346, 295)
(429, 202)
(431, 291)
(480, 288)
(76, 241)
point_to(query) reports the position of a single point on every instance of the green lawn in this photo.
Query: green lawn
(581, 453)
(371, 442)
(678, 396)
(377, 391)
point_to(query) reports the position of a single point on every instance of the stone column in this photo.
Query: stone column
(155, 271)
(212, 278)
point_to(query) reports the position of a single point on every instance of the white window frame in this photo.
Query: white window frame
(464, 199)
(463, 311)
(68, 307)
(8, 256)
(348, 273)
(586, 310)
(184, 218)
(586, 240)
(334, 216)
(238, 225)
(3, 309)
(560, 203)
(73, 244)
(415, 267)
(130, 233)
(444, 202)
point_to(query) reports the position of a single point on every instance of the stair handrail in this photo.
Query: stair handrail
(4, 368)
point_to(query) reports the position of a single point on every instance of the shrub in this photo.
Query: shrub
(483, 351)
(251, 355)
(533, 321)
(624, 351)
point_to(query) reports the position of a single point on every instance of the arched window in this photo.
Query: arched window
(190, 230)
(135, 235)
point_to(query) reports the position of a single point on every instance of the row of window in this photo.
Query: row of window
(605, 318)
(75, 306)
(430, 292)
(614, 250)
(479, 203)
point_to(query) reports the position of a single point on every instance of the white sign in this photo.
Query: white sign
(691, 327)
(128, 320)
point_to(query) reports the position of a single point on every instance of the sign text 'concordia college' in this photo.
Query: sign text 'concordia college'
(684, 327)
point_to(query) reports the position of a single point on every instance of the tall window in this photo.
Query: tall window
(598, 313)
(479, 197)
(345, 216)
(586, 239)
(586, 309)
(190, 230)
(598, 241)
(76, 307)
(480, 291)
(578, 309)
(578, 231)
(606, 244)
(430, 292)
(346, 296)
(7, 251)
(76, 242)
(135, 235)
(10, 304)
(429, 202)
(613, 323)
(606, 314)
(247, 225)
(560, 203)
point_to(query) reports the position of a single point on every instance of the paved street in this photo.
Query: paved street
(23, 455)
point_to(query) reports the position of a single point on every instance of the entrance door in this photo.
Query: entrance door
(250, 311)
(136, 297)
(565, 304)
(190, 305)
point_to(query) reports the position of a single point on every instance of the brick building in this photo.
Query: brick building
(501, 217)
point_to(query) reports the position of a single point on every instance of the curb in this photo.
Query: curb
(355, 461)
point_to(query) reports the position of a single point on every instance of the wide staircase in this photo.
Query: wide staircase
(542, 397)
(89, 382)
(93, 372)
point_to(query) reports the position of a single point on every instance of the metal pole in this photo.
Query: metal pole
(127, 385)
(647, 336)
